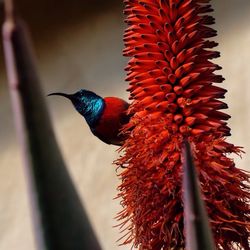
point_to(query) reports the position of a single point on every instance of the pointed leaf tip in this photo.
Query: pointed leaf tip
(197, 230)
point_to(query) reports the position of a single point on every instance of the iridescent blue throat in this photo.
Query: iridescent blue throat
(89, 105)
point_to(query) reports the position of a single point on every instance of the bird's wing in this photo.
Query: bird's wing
(106, 140)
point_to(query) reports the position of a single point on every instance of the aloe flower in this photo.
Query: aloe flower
(174, 93)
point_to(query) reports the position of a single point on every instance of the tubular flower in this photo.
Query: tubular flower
(174, 96)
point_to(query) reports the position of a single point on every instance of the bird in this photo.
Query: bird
(104, 116)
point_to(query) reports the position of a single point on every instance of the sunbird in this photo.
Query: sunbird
(105, 116)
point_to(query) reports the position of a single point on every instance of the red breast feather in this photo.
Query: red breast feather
(111, 121)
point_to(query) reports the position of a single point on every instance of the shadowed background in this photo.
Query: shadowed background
(78, 45)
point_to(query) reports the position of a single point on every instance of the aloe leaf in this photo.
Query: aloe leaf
(59, 216)
(196, 223)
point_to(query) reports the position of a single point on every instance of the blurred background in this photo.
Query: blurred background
(79, 44)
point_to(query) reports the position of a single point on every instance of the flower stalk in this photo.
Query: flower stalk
(176, 96)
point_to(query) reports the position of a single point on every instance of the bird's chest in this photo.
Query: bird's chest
(109, 124)
(111, 120)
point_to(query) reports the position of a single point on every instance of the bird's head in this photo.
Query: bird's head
(87, 103)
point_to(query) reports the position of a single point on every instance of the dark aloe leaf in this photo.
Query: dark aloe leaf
(197, 229)
(60, 219)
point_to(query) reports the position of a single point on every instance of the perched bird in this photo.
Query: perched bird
(105, 116)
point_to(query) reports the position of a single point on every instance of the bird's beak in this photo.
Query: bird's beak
(61, 94)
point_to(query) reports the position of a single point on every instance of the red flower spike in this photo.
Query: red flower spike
(174, 98)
